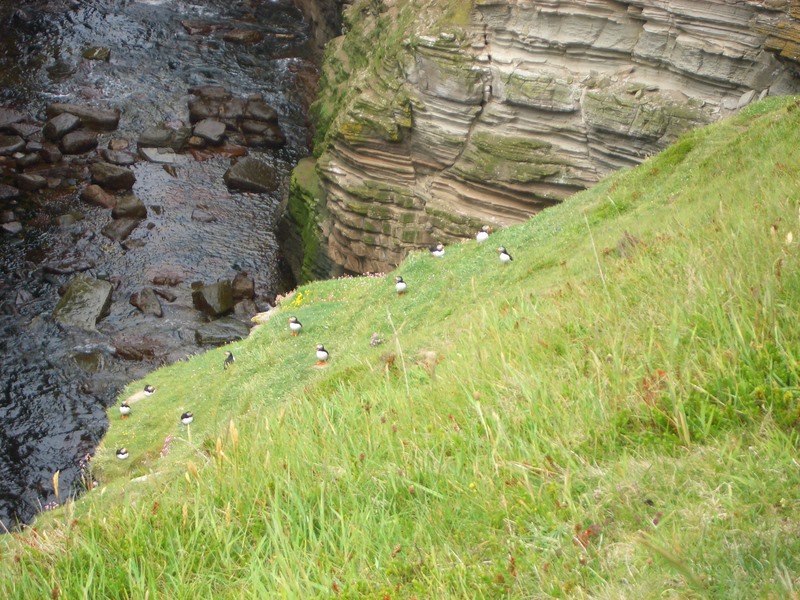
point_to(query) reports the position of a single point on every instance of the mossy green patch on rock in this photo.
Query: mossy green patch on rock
(500, 159)
(306, 212)
(541, 91)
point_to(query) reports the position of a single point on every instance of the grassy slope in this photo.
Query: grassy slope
(600, 418)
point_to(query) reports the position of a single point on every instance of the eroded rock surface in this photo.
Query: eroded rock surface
(528, 102)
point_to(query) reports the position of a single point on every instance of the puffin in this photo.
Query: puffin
(122, 453)
(229, 360)
(483, 234)
(400, 285)
(124, 409)
(322, 355)
(187, 418)
(295, 325)
(505, 257)
(148, 390)
(437, 251)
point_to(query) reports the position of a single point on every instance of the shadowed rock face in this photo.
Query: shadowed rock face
(527, 104)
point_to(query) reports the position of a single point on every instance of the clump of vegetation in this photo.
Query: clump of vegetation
(613, 414)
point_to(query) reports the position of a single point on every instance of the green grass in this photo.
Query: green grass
(612, 415)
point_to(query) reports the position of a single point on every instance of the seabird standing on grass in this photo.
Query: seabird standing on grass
(229, 360)
(437, 251)
(124, 409)
(400, 285)
(483, 234)
(294, 325)
(505, 257)
(187, 418)
(122, 453)
(322, 355)
(149, 390)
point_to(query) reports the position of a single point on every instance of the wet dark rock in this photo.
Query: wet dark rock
(129, 206)
(78, 142)
(215, 299)
(97, 53)
(60, 125)
(34, 146)
(94, 194)
(68, 265)
(25, 130)
(166, 294)
(118, 144)
(161, 156)
(10, 144)
(121, 158)
(147, 302)
(28, 160)
(243, 36)
(232, 110)
(272, 138)
(202, 216)
(243, 286)
(203, 108)
(112, 176)
(216, 92)
(51, 153)
(194, 27)
(221, 331)
(7, 216)
(211, 130)
(86, 301)
(162, 136)
(119, 229)
(138, 347)
(258, 110)
(68, 219)
(12, 228)
(97, 118)
(245, 309)
(9, 116)
(8, 192)
(30, 182)
(251, 175)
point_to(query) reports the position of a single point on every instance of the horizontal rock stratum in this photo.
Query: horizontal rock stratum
(435, 123)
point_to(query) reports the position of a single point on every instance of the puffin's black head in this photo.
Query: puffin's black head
(398, 279)
(149, 389)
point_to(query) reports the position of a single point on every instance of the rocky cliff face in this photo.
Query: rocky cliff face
(437, 116)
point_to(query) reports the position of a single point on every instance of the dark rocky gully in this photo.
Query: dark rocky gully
(145, 149)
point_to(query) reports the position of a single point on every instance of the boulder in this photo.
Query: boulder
(30, 182)
(112, 177)
(243, 286)
(210, 130)
(97, 118)
(221, 331)
(51, 153)
(59, 126)
(215, 299)
(117, 157)
(147, 302)
(243, 36)
(251, 175)
(119, 229)
(245, 310)
(97, 53)
(129, 207)
(9, 116)
(162, 136)
(78, 142)
(10, 144)
(85, 301)
(161, 155)
(28, 160)
(8, 192)
(12, 227)
(258, 110)
(94, 194)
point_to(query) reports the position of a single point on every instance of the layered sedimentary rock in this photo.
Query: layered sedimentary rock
(435, 118)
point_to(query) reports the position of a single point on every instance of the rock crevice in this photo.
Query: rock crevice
(434, 119)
